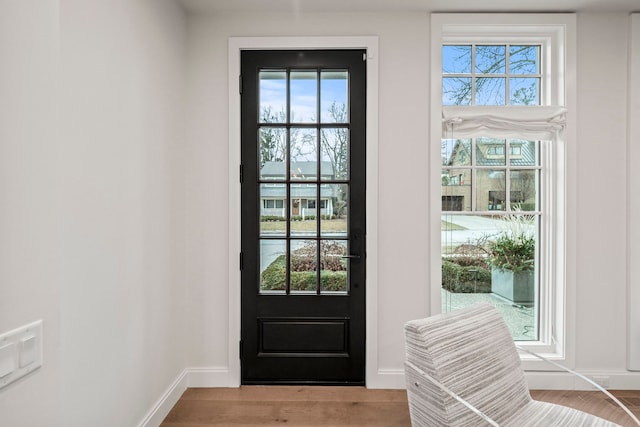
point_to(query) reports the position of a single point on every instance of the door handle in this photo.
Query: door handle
(351, 256)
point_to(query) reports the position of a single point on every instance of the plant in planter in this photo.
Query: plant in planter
(512, 258)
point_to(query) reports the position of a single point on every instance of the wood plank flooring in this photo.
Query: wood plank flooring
(250, 406)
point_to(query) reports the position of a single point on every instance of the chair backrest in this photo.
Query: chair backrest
(471, 352)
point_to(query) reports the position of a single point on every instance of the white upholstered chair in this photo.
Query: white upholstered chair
(463, 369)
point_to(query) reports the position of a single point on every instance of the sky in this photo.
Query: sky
(304, 93)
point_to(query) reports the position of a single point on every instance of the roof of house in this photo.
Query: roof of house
(300, 169)
(527, 156)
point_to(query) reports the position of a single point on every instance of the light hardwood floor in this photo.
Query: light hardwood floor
(344, 406)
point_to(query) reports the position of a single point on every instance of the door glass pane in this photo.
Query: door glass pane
(490, 91)
(273, 148)
(273, 96)
(490, 190)
(490, 152)
(524, 91)
(334, 153)
(334, 200)
(491, 59)
(273, 266)
(273, 210)
(333, 267)
(304, 96)
(304, 154)
(334, 87)
(303, 219)
(523, 190)
(304, 263)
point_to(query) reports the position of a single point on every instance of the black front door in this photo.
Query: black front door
(303, 217)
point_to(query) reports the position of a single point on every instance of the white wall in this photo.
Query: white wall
(92, 199)
(633, 236)
(601, 193)
(403, 252)
(30, 286)
(123, 193)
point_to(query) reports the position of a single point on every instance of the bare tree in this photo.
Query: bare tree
(273, 140)
(334, 142)
(491, 60)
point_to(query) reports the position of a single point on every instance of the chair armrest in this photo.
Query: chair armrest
(432, 380)
(579, 375)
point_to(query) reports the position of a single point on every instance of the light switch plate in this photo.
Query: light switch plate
(27, 348)
(7, 359)
(20, 352)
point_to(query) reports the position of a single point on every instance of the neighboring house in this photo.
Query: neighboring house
(304, 195)
(490, 184)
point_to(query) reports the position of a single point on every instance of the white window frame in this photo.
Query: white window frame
(556, 33)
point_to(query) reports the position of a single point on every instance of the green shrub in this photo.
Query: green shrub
(272, 218)
(513, 252)
(465, 278)
(274, 277)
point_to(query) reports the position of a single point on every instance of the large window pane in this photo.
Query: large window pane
(456, 91)
(456, 59)
(456, 152)
(524, 195)
(524, 91)
(491, 190)
(524, 59)
(491, 59)
(490, 152)
(490, 91)
(523, 153)
(492, 258)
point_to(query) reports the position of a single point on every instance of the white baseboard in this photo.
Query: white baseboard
(387, 379)
(162, 407)
(212, 377)
(618, 380)
(190, 377)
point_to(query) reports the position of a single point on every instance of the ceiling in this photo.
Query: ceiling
(302, 6)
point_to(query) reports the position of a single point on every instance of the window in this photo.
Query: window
(491, 74)
(273, 204)
(499, 112)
